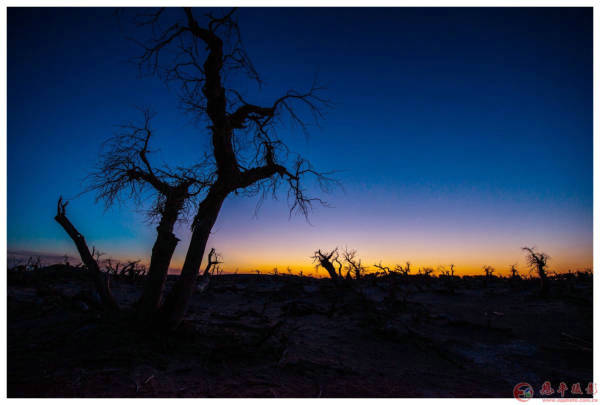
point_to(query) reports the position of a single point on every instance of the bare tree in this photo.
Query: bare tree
(246, 152)
(100, 280)
(384, 269)
(326, 260)
(246, 155)
(125, 170)
(514, 273)
(214, 260)
(488, 270)
(353, 264)
(405, 271)
(537, 262)
(426, 271)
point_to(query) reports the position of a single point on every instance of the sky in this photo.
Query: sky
(459, 135)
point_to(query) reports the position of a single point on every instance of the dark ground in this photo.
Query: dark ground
(289, 336)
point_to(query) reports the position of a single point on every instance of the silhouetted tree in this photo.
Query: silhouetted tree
(385, 269)
(214, 260)
(100, 280)
(488, 270)
(246, 155)
(537, 262)
(405, 271)
(353, 264)
(125, 170)
(326, 260)
(426, 271)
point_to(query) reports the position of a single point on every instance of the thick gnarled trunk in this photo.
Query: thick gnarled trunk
(178, 299)
(162, 253)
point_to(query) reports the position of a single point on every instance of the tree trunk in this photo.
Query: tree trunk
(543, 282)
(162, 252)
(330, 269)
(99, 279)
(178, 299)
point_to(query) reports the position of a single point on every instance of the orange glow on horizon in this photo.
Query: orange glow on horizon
(309, 269)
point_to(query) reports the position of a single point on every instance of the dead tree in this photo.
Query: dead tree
(537, 262)
(125, 170)
(99, 279)
(514, 273)
(385, 270)
(326, 261)
(353, 264)
(214, 260)
(246, 155)
(488, 270)
(426, 271)
(404, 271)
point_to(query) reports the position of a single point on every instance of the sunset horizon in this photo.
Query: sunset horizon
(502, 165)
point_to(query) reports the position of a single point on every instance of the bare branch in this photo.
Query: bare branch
(125, 170)
(101, 281)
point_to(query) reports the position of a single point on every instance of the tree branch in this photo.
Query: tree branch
(101, 281)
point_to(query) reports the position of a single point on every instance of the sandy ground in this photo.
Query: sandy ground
(289, 336)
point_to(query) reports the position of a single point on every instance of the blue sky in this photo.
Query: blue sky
(459, 134)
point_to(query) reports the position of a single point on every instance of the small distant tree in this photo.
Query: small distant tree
(514, 273)
(426, 271)
(488, 270)
(214, 260)
(537, 262)
(405, 271)
(353, 264)
(212, 267)
(327, 260)
(384, 269)
(449, 272)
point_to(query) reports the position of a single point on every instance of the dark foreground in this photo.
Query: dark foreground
(288, 336)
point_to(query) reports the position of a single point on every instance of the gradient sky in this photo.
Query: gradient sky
(460, 135)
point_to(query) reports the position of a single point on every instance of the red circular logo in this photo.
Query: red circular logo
(523, 392)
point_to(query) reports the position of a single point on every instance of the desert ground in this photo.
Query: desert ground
(292, 336)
